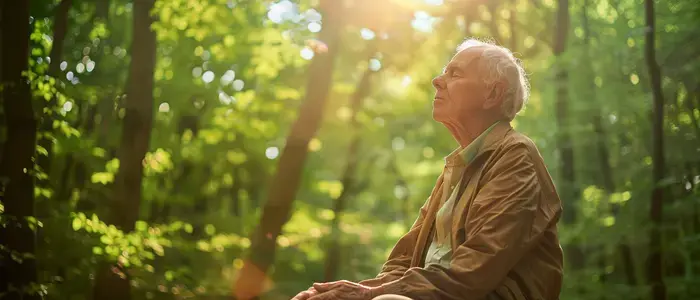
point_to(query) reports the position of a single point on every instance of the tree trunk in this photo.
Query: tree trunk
(349, 182)
(286, 181)
(17, 238)
(655, 263)
(570, 192)
(136, 133)
(60, 29)
(102, 10)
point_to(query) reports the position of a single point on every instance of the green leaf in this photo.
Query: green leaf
(97, 250)
(141, 226)
(176, 225)
(134, 240)
(42, 151)
(102, 177)
(112, 166)
(204, 246)
(106, 240)
(210, 229)
(77, 224)
(211, 136)
(112, 250)
(99, 152)
(169, 275)
(236, 157)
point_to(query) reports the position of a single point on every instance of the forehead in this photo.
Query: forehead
(465, 58)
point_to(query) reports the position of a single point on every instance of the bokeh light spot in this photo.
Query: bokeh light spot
(312, 15)
(406, 80)
(68, 106)
(228, 77)
(634, 79)
(238, 85)
(314, 27)
(197, 71)
(315, 145)
(164, 107)
(375, 64)
(272, 152)
(307, 53)
(423, 22)
(208, 76)
(367, 34)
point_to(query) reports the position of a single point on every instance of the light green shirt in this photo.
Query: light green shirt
(440, 250)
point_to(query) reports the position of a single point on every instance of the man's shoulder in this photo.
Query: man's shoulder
(517, 139)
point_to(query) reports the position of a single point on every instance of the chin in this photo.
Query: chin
(437, 115)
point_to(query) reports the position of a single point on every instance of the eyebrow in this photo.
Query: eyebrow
(453, 66)
(450, 66)
(461, 66)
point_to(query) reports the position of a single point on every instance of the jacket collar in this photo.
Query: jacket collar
(488, 140)
(495, 137)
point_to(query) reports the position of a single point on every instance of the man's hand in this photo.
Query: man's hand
(342, 290)
(306, 294)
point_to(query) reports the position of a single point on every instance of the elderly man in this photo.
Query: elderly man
(489, 228)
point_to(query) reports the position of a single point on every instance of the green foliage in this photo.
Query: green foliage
(229, 78)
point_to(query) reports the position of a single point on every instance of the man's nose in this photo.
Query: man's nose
(438, 82)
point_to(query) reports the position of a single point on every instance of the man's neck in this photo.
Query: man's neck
(465, 132)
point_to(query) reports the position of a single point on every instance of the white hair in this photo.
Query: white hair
(499, 64)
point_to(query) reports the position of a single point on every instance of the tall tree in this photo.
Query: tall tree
(655, 263)
(570, 192)
(112, 283)
(285, 183)
(18, 271)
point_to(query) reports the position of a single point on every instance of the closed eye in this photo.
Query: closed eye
(452, 71)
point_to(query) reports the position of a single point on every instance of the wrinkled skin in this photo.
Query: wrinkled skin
(463, 103)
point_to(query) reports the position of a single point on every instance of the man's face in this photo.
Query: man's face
(460, 93)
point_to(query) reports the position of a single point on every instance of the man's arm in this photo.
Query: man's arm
(507, 218)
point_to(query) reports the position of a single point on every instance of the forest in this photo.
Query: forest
(229, 149)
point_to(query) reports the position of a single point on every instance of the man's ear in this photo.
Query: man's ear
(495, 96)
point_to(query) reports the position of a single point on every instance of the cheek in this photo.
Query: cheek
(466, 95)
(459, 94)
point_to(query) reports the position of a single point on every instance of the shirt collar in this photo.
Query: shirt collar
(465, 155)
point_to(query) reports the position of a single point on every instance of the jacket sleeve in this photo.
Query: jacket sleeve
(400, 257)
(505, 220)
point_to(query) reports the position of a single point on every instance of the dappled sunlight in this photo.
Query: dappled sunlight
(204, 149)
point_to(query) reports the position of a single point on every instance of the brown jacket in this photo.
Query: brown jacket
(505, 243)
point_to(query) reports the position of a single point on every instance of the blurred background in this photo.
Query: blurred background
(173, 149)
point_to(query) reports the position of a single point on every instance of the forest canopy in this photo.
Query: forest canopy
(208, 149)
